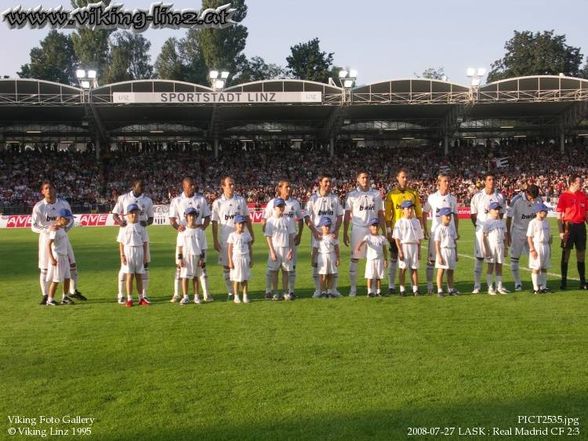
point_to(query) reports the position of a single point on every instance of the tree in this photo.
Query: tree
(129, 58)
(529, 53)
(307, 62)
(222, 49)
(194, 67)
(434, 74)
(256, 69)
(53, 61)
(168, 65)
(92, 46)
(584, 71)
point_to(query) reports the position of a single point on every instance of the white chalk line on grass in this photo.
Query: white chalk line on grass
(467, 256)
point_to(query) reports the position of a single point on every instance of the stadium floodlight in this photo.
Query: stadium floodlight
(213, 74)
(224, 74)
(353, 74)
(471, 71)
(92, 74)
(348, 83)
(80, 73)
(85, 84)
(342, 73)
(481, 71)
(218, 84)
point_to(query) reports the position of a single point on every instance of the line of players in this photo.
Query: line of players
(399, 216)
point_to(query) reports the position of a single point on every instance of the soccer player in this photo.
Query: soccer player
(445, 239)
(494, 232)
(293, 210)
(280, 234)
(518, 215)
(362, 205)
(326, 258)
(57, 249)
(321, 204)
(190, 198)
(136, 197)
(572, 207)
(42, 222)
(376, 255)
(240, 258)
(393, 212)
(133, 246)
(408, 234)
(437, 201)
(191, 255)
(539, 239)
(479, 214)
(224, 210)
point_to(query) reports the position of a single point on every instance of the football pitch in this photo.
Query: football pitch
(313, 369)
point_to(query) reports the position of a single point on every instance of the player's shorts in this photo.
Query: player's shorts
(191, 268)
(519, 244)
(496, 253)
(241, 271)
(411, 256)
(576, 238)
(281, 261)
(449, 259)
(543, 260)
(58, 273)
(326, 263)
(374, 269)
(479, 243)
(43, 253)
(134, 257)
(357, 234)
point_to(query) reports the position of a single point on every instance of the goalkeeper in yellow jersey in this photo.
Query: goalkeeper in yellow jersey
(393, 211)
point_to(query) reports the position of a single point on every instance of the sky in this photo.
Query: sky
(382, 40)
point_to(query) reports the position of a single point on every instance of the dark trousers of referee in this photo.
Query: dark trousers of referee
(574, 237)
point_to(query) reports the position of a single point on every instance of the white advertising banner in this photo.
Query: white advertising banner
(215, 97)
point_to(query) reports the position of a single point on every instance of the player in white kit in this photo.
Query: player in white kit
(57, 249)
(376, 254)
(539, 239)
(191, 249)
(518, 215)
(408, 234)
(224, 210)
(293, 210)
(494, 231)
(135, 196)
(321, 204)
(445, 239)
(42, 222)
(190, 198)
(479, 214)
(362, 205)
(442, 198)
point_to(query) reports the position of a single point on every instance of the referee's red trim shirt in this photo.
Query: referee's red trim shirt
(573, 206)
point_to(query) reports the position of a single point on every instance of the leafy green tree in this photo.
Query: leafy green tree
(129, 58)
(195, 69)
(434, 74)
(256, 69)
(308, 62)
(529, 53)
(168, 65)
(53, 61)
(223, 48)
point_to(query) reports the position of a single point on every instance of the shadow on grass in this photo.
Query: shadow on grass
(453, 421)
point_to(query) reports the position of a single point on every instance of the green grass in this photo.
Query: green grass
(340, 369)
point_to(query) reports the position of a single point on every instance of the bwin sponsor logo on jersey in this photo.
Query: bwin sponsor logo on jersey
(527, 216)
(326, 213)
(230, 216)
(51, 218)
(367, 207)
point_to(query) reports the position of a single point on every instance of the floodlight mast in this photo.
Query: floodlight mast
(218, 79)
(347, 80)
(475, 75)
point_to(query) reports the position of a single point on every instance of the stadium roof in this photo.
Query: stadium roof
(382, 110)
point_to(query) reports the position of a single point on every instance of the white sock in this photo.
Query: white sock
(73, 281)
(204, 283)
(335, 282)
(353, 275)
(177, 283)
(514, 269)
(378, 291)
(292, 279)
(228, 284)
(43, 282)
(498, 282)
(489, 281)
(430, 272)
(316, 278)
(543, 280)
(535, 280)
(478, 273)
(145, 277)
(121, 282)
(392, 273)
(415, 288)
(268, 280)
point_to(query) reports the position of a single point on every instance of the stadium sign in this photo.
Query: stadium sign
(215, 97)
